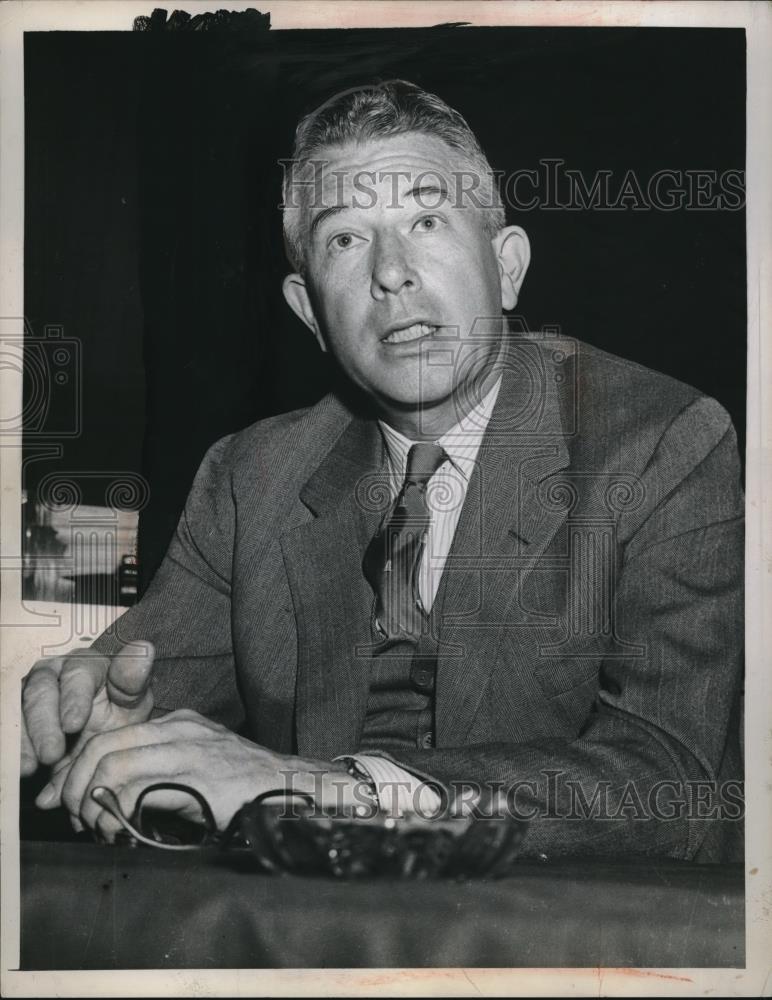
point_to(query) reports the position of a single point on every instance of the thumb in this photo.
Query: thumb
(128, 678)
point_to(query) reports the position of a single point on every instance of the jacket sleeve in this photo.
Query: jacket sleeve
(186, 611)
(637, 776)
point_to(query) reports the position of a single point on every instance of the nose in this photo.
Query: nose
(392, 271)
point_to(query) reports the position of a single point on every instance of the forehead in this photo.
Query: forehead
(387, 165)
(413, 151)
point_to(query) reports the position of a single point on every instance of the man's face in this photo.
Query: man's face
(404, 286)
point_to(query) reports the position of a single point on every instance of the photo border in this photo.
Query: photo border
(15, 18)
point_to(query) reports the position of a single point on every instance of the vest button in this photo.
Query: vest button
(427, 741)
(423, 678)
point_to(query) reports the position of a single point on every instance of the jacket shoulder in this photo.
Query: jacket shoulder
(625, 400)
(288, 444)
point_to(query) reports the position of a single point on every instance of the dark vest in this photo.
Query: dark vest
(400, 704)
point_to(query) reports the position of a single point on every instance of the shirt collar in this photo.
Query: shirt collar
(461, 442)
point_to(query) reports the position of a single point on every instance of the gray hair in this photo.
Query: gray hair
(376, 111)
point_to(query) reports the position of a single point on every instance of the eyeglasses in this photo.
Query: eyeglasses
(168, 831)
(286, 837)
(157, 828)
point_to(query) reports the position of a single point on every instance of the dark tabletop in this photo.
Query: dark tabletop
(95, 907)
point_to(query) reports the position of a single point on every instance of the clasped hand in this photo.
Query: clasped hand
(182, 746)
(108, 702)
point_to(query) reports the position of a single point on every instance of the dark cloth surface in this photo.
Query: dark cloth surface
(91, 907)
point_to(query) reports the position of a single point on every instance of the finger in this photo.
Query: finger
(128, 679)
(40, 702)
(81, 678)
(50, 796)
(189, 725)
(107, 827)
(142, 762)
(29, 759)
(102, 746)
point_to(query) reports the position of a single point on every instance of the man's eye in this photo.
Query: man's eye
(342, 241)
(428, 223)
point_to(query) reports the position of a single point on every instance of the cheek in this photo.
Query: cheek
(484, 269)
(344, 323)
(467, 270)
(338, 310)
(345, 286)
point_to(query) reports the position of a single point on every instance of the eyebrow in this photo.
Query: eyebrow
(425, 189)
(415, 192)
(324, 214)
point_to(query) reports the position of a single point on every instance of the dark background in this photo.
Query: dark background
(153, 233)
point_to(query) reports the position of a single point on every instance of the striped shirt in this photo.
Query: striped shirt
(447, 488)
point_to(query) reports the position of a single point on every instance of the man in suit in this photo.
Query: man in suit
(496, 561)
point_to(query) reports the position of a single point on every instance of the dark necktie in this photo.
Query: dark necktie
(393, 556)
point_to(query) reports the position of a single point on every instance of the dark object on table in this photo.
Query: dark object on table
(296, 835)
(290, 832)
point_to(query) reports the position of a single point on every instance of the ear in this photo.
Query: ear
(513, 255)
(299, 301)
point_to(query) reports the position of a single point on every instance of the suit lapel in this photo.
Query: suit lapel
(506, 525)
(332, 600)
(504, 529)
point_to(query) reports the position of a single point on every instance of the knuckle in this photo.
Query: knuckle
(181, 715)
(108, 770)
(93, 746)
(42, 664)
(84, 662)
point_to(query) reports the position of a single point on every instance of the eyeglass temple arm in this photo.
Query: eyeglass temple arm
(106, 798)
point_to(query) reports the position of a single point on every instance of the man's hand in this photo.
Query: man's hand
(84, 693)
(186, 748)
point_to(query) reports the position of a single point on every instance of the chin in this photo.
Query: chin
(415, 399)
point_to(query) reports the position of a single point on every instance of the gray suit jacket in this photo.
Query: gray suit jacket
(589, 618)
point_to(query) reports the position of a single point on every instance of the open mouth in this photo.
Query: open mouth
(409, 333)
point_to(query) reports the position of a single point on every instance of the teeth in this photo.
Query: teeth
(414, 332)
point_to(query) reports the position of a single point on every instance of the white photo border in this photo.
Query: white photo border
(16, 17)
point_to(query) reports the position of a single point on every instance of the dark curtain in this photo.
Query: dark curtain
(215, 112)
